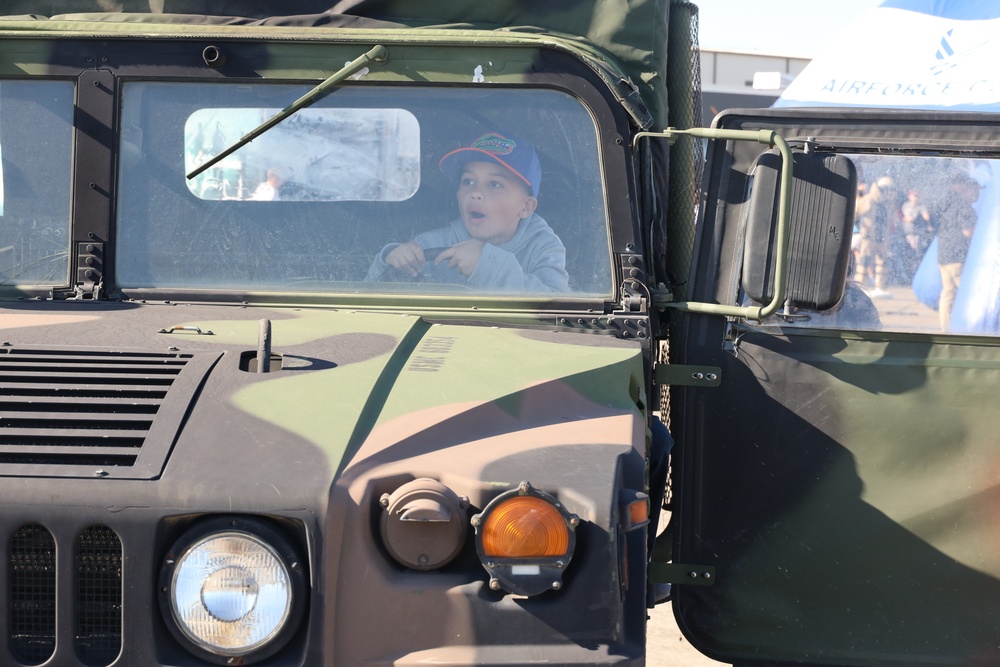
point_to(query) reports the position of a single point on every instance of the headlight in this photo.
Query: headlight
(525, 539)
(232, 593)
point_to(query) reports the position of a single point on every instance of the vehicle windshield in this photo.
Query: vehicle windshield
(36, 132)
(385, 189)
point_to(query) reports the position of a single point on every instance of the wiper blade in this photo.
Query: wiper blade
(379, 54)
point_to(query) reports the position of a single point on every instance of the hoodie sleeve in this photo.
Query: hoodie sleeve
(536, 265)
(443, 237)
(379, 267)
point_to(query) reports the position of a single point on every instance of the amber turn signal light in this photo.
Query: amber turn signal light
(525, 539)
(525, 527)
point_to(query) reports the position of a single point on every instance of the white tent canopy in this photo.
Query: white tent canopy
(924, 54)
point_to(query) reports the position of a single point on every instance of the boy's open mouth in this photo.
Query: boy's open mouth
(476, 215)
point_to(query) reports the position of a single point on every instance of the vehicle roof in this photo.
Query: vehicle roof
(631, 42)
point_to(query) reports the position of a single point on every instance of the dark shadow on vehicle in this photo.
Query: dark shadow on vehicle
(798, 470)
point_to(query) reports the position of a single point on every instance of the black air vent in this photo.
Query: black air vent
(87, 408)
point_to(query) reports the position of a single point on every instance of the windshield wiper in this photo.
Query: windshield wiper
(379, 54)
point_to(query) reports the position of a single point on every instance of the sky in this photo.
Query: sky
(797, 28)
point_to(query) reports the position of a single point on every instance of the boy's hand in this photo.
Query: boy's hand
(462, 256)
(407, 257)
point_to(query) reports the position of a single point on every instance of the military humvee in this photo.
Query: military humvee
(226, 439)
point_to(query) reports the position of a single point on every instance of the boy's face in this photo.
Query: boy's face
(492, 201)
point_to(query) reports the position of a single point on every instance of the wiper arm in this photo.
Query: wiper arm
(379, 54)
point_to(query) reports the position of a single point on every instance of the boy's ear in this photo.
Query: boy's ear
(530, 204)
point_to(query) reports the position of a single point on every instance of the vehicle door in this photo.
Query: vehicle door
(836, 482)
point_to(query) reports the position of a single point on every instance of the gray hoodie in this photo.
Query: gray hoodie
(533, 260)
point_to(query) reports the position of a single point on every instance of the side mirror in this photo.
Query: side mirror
(821, 225)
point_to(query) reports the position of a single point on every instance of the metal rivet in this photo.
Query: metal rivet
(556, 585)
(494, 584)
(698, 376)
(712, 376)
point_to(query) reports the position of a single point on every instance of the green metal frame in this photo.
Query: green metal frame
(768, 138)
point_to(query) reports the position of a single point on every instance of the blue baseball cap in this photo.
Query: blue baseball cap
(509, 151)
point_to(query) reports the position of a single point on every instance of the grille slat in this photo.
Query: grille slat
(62, 405)
(74, 368)
(41, 451)
(10, 390)
(90, 360)
(91, 377)
(12, 435)
(79, 407)
(39, 419)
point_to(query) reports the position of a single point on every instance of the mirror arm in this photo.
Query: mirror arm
(768, 138)
(378, 54)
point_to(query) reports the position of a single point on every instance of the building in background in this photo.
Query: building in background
(734, 79)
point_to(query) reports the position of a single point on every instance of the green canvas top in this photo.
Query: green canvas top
(626, 40)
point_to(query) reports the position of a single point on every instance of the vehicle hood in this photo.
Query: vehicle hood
(356, 391)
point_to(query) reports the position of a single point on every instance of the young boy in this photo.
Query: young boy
(498, 242)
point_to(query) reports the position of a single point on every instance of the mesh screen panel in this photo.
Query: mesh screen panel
(98, 628)
(32, 594)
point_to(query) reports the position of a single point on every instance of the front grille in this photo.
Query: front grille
(98, 633)
(97, 409)
(97, 603)
(32, 590)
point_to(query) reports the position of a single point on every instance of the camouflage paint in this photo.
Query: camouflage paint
(490, 393)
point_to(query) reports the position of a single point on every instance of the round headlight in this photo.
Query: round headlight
(233, 592)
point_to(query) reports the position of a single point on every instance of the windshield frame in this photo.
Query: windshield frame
(606, 116)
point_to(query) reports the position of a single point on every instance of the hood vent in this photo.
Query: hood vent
(93, 413)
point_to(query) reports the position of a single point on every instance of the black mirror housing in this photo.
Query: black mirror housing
(821, 224)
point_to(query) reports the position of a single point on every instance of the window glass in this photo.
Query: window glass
(314, 155)
(36, 132)
(371, 189)
(925, 248)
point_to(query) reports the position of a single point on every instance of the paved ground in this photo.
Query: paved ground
(666, 647)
